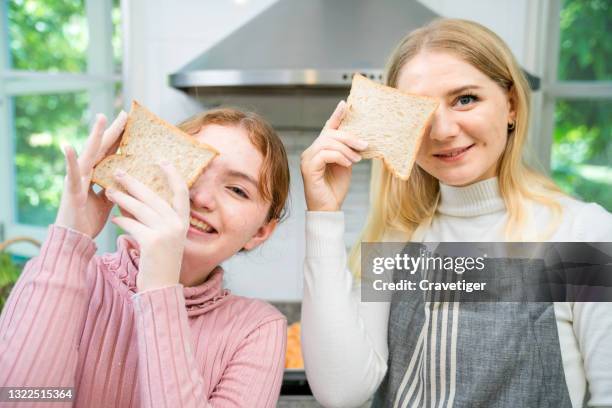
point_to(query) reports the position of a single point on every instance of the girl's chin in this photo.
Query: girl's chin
(197, 256)
(193, 247)
(206, 252)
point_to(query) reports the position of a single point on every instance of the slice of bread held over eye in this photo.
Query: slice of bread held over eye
(391, 121)
(148, 140)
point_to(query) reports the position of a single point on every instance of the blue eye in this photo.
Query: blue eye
(239, 191)
(465, 100)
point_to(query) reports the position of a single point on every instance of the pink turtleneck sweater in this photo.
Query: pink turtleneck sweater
(75, 320)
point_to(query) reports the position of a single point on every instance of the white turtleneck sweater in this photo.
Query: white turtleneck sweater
(344, 340)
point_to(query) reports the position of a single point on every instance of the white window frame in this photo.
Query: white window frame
(542, 53)
(99, 81)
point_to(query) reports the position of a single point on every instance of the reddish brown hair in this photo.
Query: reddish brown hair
(274, 172)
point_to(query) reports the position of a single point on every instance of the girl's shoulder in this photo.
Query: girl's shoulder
(238, 319)
(251, 312)
(250, 323)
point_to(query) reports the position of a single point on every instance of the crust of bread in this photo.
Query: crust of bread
(125, 141)
(357, 78)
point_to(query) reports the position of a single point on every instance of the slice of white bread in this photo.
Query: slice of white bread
(391, 121)
(146, 141)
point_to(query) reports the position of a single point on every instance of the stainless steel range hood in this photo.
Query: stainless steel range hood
(313, 43)
(306, 44)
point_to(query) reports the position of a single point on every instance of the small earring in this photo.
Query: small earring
(511, 126)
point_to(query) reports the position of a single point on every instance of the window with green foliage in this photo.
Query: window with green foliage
(43, 124)
(50, 37)
(47, 35)
(582, 147)
(60, 62)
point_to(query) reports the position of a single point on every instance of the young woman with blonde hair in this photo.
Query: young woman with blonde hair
(469, 184)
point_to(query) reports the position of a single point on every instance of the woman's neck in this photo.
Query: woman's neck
(482, 197)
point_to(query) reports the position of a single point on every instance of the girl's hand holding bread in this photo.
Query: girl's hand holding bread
(326, 165)
(81, 208)
(159, 228)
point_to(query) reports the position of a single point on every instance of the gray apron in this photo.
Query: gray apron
(477, 354)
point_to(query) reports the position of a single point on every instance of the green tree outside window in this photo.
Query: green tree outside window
(49, 36)
(582, 143)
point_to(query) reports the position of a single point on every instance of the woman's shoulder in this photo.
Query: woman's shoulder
(583, 221)
(593, 223)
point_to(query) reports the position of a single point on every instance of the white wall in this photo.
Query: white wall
(507, 18)
(162, 37)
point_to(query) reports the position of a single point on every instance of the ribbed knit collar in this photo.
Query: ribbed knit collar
(475, 199)
(198, 299)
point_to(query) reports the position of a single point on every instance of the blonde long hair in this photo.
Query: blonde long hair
(397, 207)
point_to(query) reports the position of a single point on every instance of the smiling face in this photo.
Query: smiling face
(468, 131)
(228, 212)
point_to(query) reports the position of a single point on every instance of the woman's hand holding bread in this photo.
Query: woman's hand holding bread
(327, 165)
(81, 208)
(159, 227)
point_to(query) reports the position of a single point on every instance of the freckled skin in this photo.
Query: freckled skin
(240, 222)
